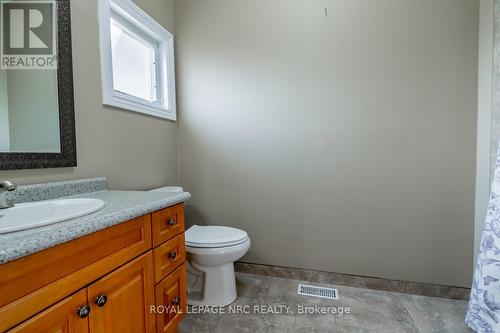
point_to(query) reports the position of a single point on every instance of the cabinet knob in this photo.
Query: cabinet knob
(171, 222)
(176, 301)
(172, 255)
(101, 300)
(83, 312)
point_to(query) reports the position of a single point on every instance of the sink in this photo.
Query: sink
(36, 214)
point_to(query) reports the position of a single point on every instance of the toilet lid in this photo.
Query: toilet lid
(214, 236)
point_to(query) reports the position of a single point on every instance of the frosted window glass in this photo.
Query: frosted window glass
(132, 63)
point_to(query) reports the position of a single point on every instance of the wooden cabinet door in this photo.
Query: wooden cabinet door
(172, 293)
(125, 298)
(59, 318)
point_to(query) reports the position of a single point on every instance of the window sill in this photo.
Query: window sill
(127, 104)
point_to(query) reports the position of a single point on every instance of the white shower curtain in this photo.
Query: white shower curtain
(483, 313)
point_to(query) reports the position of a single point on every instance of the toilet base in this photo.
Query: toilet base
(218, 286)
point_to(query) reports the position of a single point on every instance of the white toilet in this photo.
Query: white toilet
(211, 253)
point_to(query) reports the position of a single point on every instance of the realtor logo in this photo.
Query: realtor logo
(28, 35)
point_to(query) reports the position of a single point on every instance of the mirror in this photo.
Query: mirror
(37, 118)
(29, 111)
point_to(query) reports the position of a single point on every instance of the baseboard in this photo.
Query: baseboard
(414, 288)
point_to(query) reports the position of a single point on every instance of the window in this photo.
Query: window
(137, 60)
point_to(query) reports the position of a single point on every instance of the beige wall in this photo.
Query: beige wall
(484, 158)
(132, 150)
(343, 143)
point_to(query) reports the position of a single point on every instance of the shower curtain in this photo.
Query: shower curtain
(483, 313)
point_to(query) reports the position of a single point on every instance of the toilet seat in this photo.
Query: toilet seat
(214, 236)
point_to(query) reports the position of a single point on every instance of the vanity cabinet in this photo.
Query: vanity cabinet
(104, 282)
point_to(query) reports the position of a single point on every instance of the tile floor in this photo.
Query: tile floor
(370, 311)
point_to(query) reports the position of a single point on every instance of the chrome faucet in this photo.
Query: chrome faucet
(6, 186)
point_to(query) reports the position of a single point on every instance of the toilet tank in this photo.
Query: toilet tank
(171, 189)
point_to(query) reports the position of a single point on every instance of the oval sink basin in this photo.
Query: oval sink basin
(36, 214)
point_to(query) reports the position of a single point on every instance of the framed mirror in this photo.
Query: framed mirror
(37, 117)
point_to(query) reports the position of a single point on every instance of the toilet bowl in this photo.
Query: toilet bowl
(211, 253)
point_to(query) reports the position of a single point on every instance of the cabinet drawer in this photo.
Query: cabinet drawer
(171, 293)
(167, 223)
(168, 257)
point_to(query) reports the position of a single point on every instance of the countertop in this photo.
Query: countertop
(120, 206)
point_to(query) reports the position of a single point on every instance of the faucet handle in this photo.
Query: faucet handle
(7, 185)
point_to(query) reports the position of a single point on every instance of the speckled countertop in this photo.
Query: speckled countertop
(120, 206)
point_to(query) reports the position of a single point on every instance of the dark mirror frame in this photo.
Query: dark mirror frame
(67, 156)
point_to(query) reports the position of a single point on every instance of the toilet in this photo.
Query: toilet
(211, 253)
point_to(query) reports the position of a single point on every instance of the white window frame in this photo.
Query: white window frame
(134, 19)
